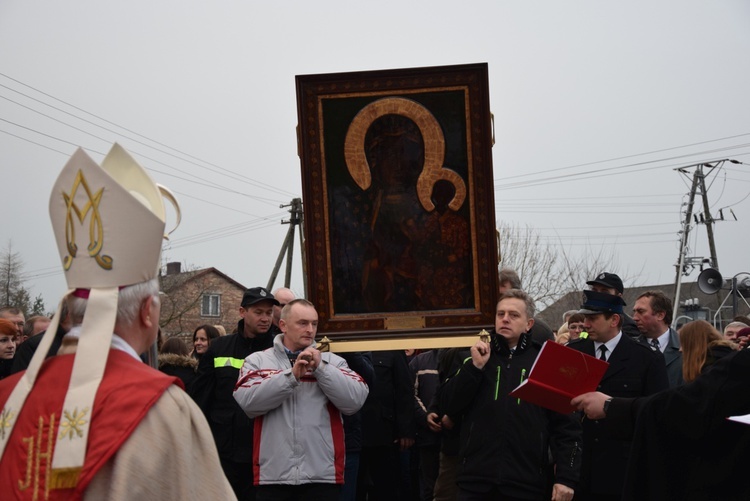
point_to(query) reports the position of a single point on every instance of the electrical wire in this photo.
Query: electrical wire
(217, 169)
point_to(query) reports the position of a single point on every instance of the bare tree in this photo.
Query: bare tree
(12, 289)
(548, 269)
(522, 249)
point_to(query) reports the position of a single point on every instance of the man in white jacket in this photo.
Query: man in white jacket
(297, 395)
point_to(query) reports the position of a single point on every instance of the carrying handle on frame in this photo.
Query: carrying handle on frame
(492, 124)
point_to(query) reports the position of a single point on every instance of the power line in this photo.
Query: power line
(239, 176)
(235, 176)
(628, 156)
(608, 197)
(211, 235)
(581, 228)
(576, 203)
(584, 212)
(34, 142)
(583, 237)
(202, 182)
(577, 175)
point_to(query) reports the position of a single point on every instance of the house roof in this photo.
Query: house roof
(173, 280)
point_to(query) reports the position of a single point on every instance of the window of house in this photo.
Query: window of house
(211, 305)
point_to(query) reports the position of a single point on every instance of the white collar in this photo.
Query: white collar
(118, 343)
(611, 344)
(663, 340)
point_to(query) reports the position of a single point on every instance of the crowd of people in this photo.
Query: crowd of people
(425, 425)
(263, 414)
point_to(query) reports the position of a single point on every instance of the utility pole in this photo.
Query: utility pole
(698, 183)
(287, 248)
(685, 231)
(707, 219)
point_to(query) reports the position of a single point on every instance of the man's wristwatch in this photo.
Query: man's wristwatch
(606, 405)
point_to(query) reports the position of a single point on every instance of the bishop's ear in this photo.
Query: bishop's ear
(147, 307)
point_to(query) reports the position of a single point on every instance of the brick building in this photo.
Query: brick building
(198, 297)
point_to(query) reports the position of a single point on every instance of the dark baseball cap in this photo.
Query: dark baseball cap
(256, 295)
(608, 280)
(600, 302)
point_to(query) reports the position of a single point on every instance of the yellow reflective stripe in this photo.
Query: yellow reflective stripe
(228, 362)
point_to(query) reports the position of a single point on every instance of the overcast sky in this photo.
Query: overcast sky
(595, 104)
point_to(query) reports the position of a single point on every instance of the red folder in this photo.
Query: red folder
(558, 375)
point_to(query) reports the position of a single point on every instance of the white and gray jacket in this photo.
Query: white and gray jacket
(298, 434)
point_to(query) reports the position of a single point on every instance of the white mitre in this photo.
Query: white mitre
(109, 223)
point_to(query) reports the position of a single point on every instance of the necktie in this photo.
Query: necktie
(603, 356)
(655, 344)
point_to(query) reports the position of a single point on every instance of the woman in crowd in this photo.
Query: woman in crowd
(575, 326)
(202, 337)
(562, 336)
(7, 346)
(175, 360)
(701, 346)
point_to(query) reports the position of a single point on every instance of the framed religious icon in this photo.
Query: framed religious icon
(399, 214)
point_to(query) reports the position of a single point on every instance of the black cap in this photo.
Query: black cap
(608, 280)
(256, 295)
(600, 302)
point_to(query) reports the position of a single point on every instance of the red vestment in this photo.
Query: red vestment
(128, 390)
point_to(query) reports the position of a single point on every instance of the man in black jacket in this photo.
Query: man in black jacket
(634, 371)
(506, 442)
(387, 428)
(684, 447)
(213, 388)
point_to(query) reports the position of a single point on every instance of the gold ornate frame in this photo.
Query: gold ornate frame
(399, 204)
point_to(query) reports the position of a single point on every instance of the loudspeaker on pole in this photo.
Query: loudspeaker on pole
(710, 281)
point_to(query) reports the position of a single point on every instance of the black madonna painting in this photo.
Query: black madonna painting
(398, 199)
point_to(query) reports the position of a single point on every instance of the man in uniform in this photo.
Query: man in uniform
(95, 422)
(218, 371)
(634, 371)
(610, 283)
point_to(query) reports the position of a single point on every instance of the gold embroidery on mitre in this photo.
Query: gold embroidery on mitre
(96, 228)
(72, 423)
(36, 455)
(6, 421)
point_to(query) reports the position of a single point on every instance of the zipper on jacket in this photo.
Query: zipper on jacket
(497, 382)
(523, 374)
(573, 454)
